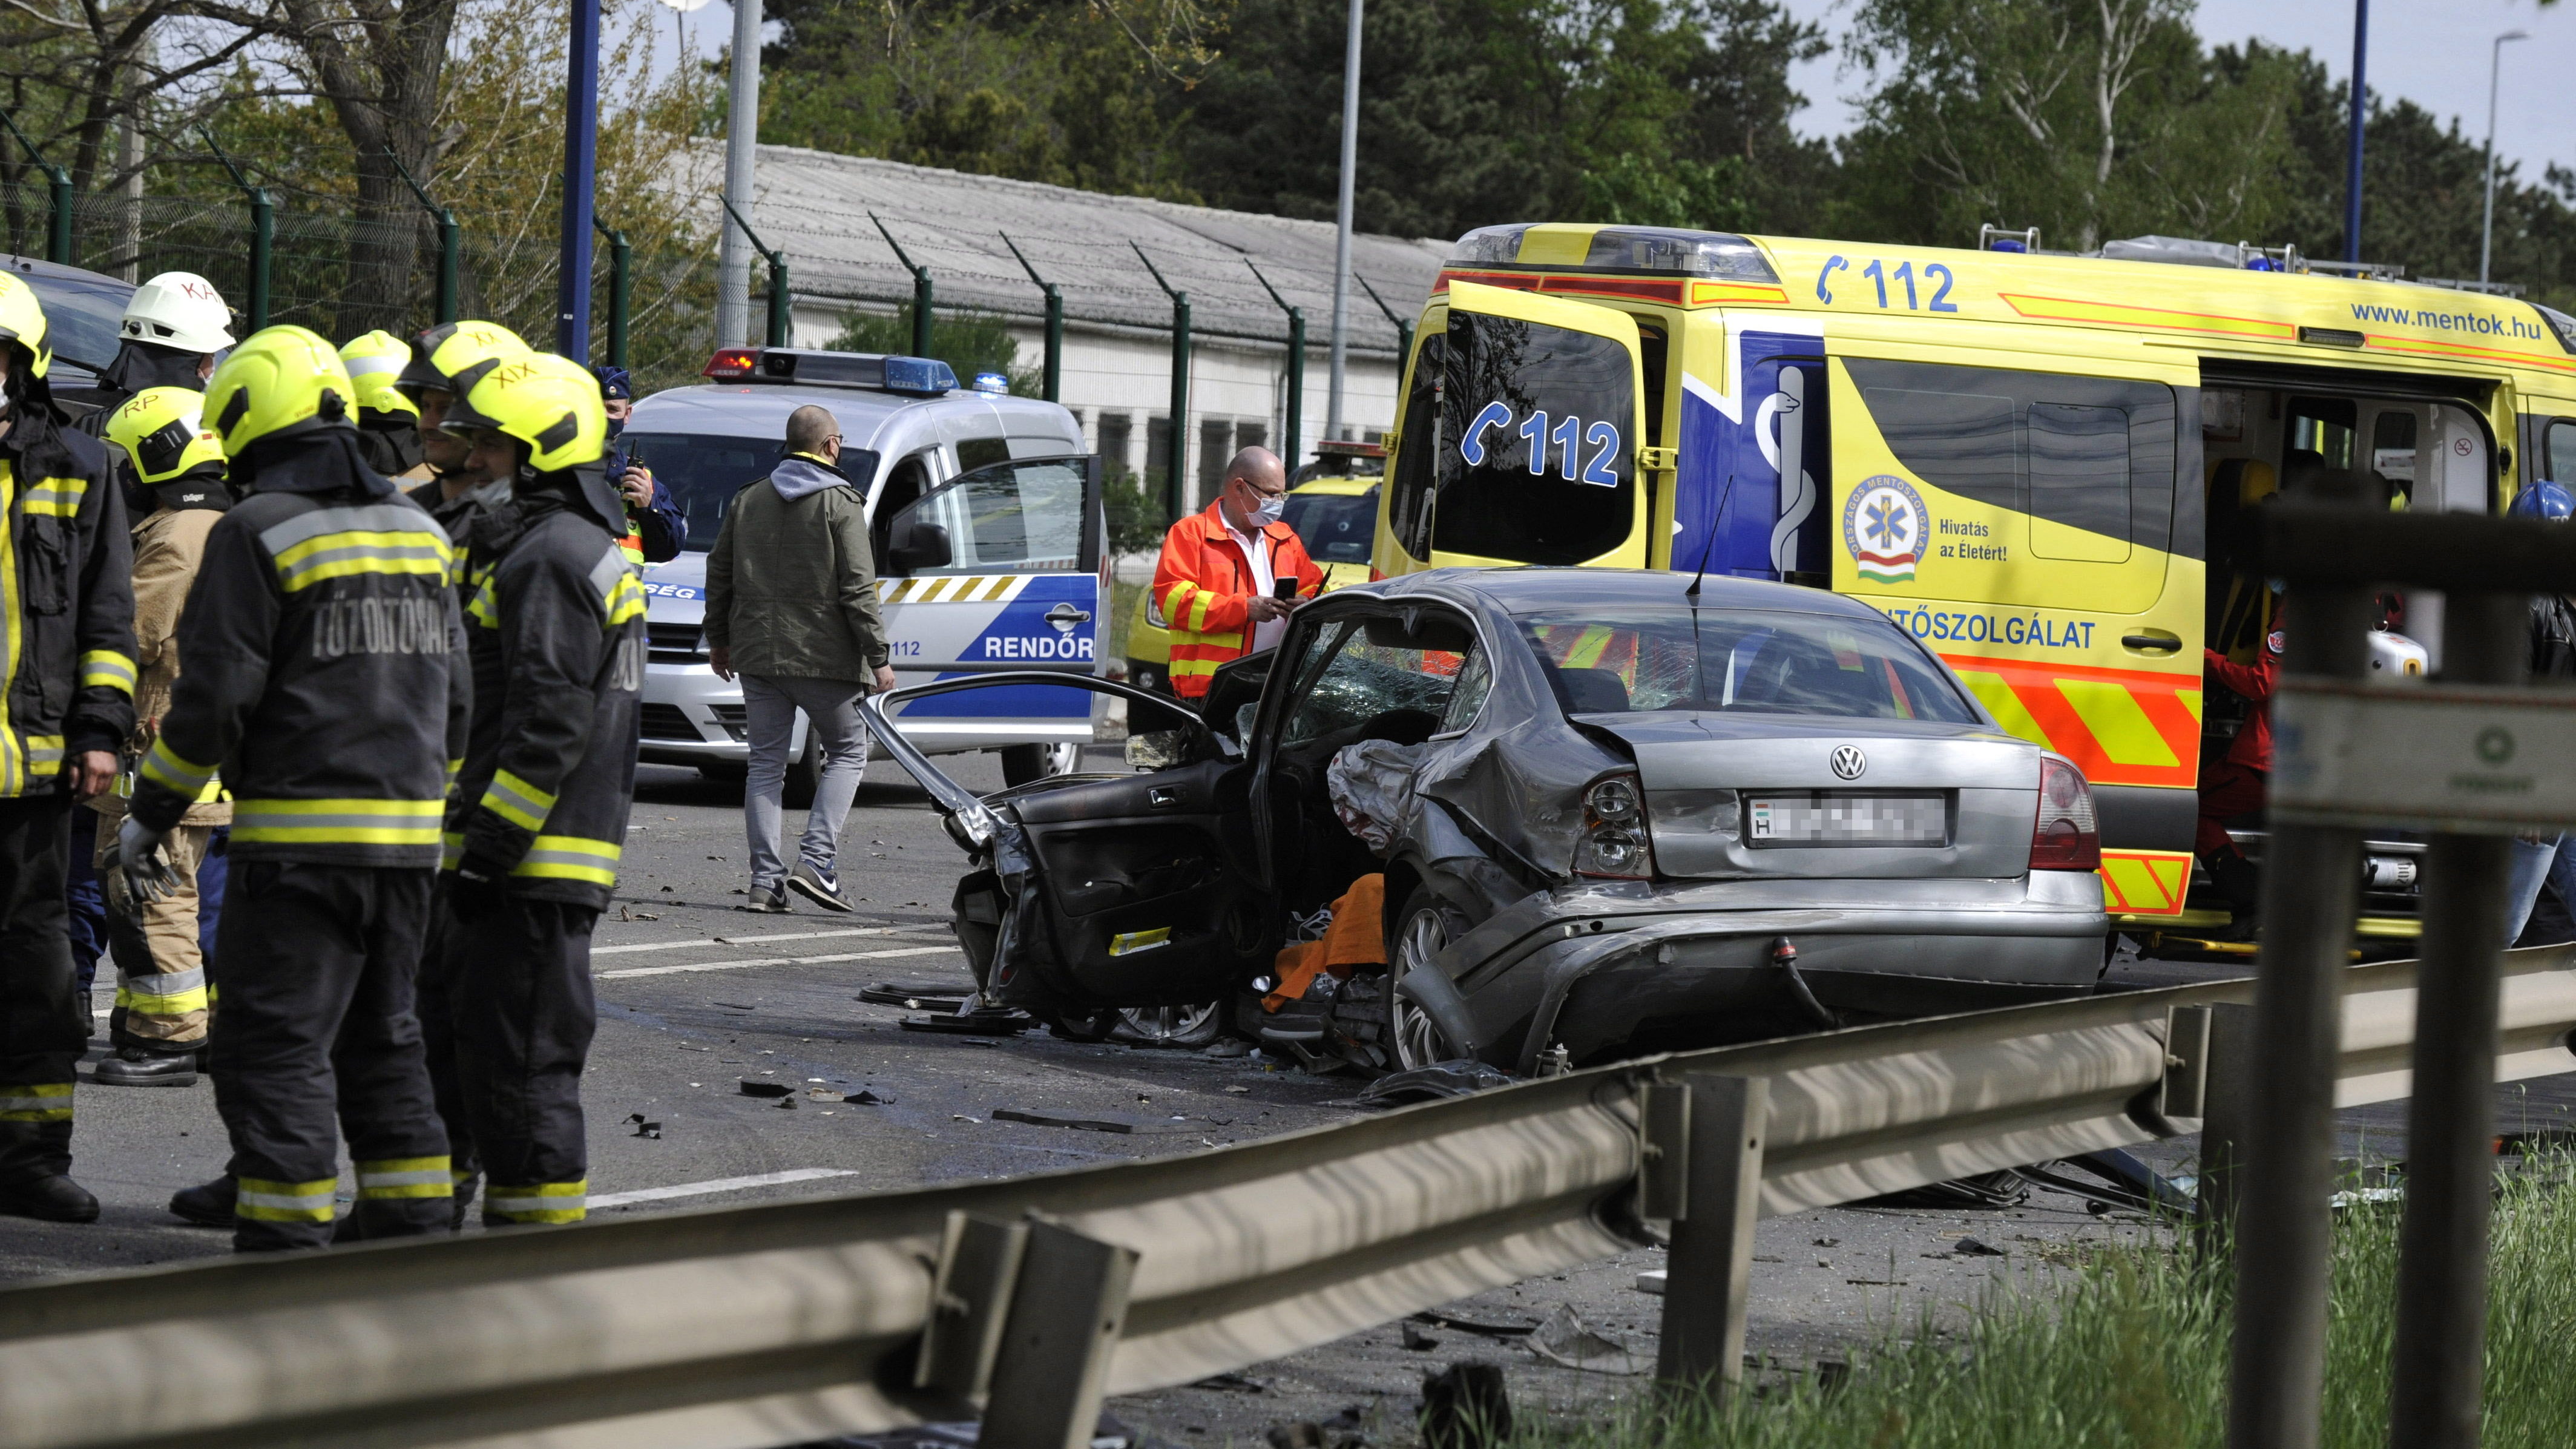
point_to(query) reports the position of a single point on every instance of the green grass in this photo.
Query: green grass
(2128, 1347)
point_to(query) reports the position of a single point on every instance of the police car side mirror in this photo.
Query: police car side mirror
(919, 546)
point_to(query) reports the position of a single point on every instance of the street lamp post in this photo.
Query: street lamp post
(2495, 72)
(1342, 223)
(2360, 113)
(742, 134)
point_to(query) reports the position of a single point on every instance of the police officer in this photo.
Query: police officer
(556, 625)
(67, 655)
(159, 1023)
(322, 642)
(655, 528)
(388, 420)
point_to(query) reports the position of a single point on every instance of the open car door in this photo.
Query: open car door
(1542, 416)
(1100, 890)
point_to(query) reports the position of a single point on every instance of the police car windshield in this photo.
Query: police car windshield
(1756, 661)
(1334, 528)
(705, 470)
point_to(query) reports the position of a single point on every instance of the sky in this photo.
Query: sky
(2431, 52)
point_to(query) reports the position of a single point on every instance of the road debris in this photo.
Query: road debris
(1415, 1339)
(1118, 1123)
(643, 1128)
(1561, 1337)
(754, 1087)
(1972, 1248)
(1469, 1325)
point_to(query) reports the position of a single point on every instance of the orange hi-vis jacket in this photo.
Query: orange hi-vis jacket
(1204, 586)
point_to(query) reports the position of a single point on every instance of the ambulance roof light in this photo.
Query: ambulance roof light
(1993, 238)
(1657, 249)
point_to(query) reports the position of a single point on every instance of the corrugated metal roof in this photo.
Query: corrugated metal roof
(816, 207)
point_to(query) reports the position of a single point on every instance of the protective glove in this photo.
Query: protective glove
(138, 856)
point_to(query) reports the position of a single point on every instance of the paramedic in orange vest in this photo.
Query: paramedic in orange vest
(1215, 582)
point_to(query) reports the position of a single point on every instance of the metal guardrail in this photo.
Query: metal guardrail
(799, 1320)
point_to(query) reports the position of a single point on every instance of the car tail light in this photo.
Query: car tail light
(2066, 836)
(733, 362)
(1615, 845)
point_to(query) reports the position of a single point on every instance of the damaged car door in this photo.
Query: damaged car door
(1091, 892)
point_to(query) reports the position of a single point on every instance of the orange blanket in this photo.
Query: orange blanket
(1357, 937)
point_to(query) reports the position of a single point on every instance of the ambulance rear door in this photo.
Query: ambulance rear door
(997, 569)
(1540, 420)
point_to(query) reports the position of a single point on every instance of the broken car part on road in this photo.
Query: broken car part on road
(1642, 813)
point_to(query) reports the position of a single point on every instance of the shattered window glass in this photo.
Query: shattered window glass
(1754, 661)
(1356, 673)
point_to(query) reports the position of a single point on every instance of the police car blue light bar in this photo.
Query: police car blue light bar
(813, 367)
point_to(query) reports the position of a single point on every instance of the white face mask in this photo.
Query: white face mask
(491, 495)
(1270, 511)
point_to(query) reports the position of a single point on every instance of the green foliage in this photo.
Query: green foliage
(1633, 190)
(969, 342)
(1136, 521)
(2127, 1348)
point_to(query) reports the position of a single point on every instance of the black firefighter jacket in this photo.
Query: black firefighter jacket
(66, 604)
(555, 626)
(326, 678)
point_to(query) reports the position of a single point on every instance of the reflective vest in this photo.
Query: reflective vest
(1203, 585)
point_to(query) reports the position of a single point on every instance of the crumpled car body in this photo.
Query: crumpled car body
(1646, 813)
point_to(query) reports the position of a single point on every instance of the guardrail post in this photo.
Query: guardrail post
(2311, 893)
(1708, 1272)
(2450, 1123)
(1067, 1310)
(2223, 1112)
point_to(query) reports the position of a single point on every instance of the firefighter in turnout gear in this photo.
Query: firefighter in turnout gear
(161, 989)
(67, 656)
(445, 361)
(556, 630)
(325, 677)
(388, 420)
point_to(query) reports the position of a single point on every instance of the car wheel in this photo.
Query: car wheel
(805, 773)
(1084, 1024)
(1183, 1028)
(1026, 764)
(1423, 929)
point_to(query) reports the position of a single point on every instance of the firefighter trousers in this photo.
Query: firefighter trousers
(44, 1020)
(317, 1038)
(518, 983)
(438, 1037)
(161, 986)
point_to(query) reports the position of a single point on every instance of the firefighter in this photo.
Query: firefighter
(446, 360)
(1218, 575)
(655, 527)
(159, 1022)
(556, 631)
(325, 677)
(67, 652)
(388, 420)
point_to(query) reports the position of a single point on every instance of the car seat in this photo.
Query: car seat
(1593, 691)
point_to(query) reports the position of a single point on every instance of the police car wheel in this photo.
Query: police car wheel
(1026, 764)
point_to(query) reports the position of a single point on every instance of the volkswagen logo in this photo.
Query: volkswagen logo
(1849, 762)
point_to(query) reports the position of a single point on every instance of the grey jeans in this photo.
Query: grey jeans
(831, 709)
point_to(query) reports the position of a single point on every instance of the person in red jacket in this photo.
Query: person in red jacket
(1217, 581)
(2237, 785)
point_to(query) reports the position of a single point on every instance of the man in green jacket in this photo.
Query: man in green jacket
(792, 609)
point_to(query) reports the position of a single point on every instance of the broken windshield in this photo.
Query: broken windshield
(1751, 660)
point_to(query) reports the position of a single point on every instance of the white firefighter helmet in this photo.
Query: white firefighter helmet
(178, 310)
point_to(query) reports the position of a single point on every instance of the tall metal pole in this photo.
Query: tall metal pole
(742, 133)
(2360, 108)
(2440, 1361)
(581, 166)
(1342, 221)
(2283, 1177)
(2495, 72)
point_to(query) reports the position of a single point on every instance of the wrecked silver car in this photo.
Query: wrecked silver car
(1611, 813)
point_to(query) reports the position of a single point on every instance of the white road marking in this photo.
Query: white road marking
(721, 1184)
(779, 961)
(755, 940)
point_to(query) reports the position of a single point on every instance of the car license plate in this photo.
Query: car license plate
(1816, 817)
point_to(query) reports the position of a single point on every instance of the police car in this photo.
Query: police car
(986, 519)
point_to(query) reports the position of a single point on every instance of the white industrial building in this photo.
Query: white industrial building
(823, 211)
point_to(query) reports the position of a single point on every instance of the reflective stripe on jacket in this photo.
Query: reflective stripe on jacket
(66, 604)
(1203, 585)
(325, 675)
(556, 633)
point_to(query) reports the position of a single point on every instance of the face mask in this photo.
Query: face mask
(616, 426)
(1270, 511)
(492, 494)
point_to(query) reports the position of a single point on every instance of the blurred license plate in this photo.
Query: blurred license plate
(1810, 817)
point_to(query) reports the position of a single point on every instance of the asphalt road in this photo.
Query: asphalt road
(696, 996)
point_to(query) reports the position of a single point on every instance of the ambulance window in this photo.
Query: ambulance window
(1408, 505)
(2079, 467)
(1536, 459)
(2561, 452)
(1960, 442)
(2324, 426)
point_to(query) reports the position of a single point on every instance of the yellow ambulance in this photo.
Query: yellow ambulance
(2041, 465)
